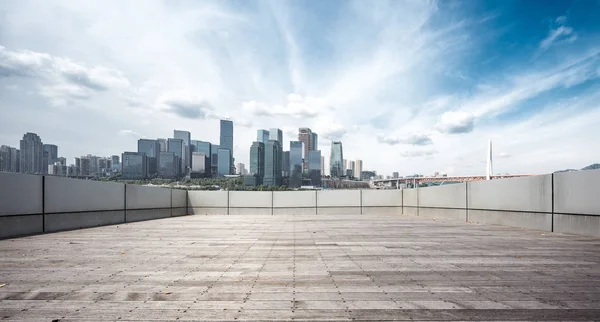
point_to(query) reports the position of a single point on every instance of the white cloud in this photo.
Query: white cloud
(296, 107)
(455, 122)
(412, 139)
(418, 153)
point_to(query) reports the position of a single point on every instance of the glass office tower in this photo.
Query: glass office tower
(296, 150)
(336, 161)
(224, 162)
(314, 167)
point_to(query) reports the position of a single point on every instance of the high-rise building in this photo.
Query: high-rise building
(226, 140)
(224, 162)
(152, 150)
(32, 154)
(135, 165)
(336, 160)
(52, 152)
(214, 159)
(262, 136)
(272, 163)
(169, 165)
(116, 164)
(177, 146)
(198, 165)
(85, 168)
(296, 163)
(186, 155)
(314, 167)
(345, 164)
(257, 164)
(322, 165)
(206, 148)
(358, 169)
(8, 159)
(162, 144)
(286, 164)
(352, 166)
(395, 175)
(306, 137)
(276, 135)
(315, 141)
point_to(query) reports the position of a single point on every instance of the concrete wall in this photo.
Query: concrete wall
(250, 202)
(74, 204)
(381, 201)
(577, 202)
(519, 202)
(144, 203)
(444, 202)
(178, 202)
(338, 202)
(410, 202)
(208, 202)
(33, 204)
(21, 205)
(294, 203)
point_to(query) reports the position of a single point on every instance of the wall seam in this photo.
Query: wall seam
(124, 203)
(316, 202)
(171, 190)
(361, 201)
(552, 226)
(466, 201)
(272, 202)
(228, 203)
(43, 203)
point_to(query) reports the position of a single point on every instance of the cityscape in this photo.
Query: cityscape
(181, 157)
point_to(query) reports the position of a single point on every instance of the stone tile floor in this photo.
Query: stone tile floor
(334, 268)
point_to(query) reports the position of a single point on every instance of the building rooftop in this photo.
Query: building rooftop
(302, 267)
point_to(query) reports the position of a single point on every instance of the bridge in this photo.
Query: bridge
(418, 180)
(511, 249)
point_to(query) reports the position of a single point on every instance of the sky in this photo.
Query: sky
(407, 86)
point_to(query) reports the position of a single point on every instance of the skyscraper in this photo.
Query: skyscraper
(272, 163)
(52, 152)
(152, 150)
(198, 165)
(286, 164)
(257, 159)
(169, 165)
(322, 165)
(186, 155)
(116, 164)
(162, 143)
(241, 168)
(224, 162)
(359, 169)
(336, 160)
(352, 166)
(214, 159)
(32, 154)
(177, 146)
(296, 161)
(315, 141)
(314, 167)
(345, 163)
(262, 136)
(206, 148)
(8, 159)
(305, 135)
(135, 165)
(276, 135)
(226, 140)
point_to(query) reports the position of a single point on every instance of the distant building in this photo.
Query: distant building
(395, 175)
(358, 169)
(162, 145)
(262, 136)
(296, 163)
(336, 165)
(198, 165)
(367, 175)
(177, 146)
(352, 166)
(32, 154)
(186, 155)
(345, 165)
(277, 135)
(315, 141)
(349, 173)
(226, 140)
(306, 137)
(272, 163)
(224, 163)
(241, 169)
(206, 148)
(214, 159)
(52, 151)
(286, 164)
(436, 174)
(115, 162)
(169, 165)
(322, 165)
(8, 159)
(134, 165)
(314, 167)
(152, 149)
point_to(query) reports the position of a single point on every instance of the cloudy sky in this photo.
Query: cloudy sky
(407, 86)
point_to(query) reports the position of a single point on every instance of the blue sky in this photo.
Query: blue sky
(407, 86)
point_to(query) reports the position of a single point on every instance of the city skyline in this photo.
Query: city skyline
(419, 89)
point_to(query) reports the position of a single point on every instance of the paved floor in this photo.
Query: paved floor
(299, 268)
